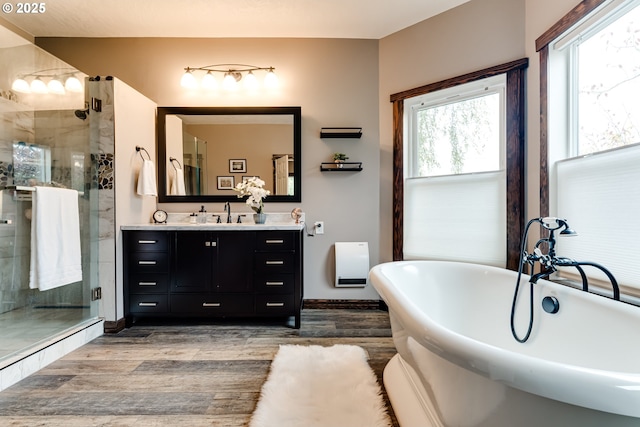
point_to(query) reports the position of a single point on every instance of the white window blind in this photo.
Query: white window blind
(599, 195)
(456, 218)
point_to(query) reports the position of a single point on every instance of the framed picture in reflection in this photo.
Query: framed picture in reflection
(238, 166)
(225, 183)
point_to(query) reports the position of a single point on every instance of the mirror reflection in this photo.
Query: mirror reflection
(206, 152)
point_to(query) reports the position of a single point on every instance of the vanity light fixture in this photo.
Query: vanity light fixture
(233, 74)
(38, 86)
(55, 75)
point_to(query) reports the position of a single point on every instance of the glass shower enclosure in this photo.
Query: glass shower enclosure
(44, 141)
(195, 164)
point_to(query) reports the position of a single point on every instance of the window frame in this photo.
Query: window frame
(515, 151)
(586, 19)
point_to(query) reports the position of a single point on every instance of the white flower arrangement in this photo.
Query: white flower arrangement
(252, 187)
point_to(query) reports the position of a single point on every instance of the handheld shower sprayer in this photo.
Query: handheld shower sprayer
(549, 264)
(551, 224)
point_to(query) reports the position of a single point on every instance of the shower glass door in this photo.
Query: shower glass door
(42, 142)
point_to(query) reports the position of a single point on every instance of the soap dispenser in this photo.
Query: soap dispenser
(202, 215)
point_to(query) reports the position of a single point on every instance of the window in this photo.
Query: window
(451, 204)
(593, 116)
(606, 66)
(455, 204)
(457, 130)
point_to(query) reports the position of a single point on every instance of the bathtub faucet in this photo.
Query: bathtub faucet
(547, 261)
(549, 264)
(550, 261)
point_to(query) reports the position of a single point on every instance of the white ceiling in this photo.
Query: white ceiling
(360, 19)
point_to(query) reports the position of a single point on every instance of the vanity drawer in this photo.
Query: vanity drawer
(274, 305)
(202, 304)
(148, 304)
(274, 283)
(275, 241)
(149, 262)
(277, 262)
(148, 241)
(148, 283)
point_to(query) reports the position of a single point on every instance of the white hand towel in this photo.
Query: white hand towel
(147, 179)
(55, 238)
(177, 183)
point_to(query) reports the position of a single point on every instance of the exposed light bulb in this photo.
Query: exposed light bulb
(209, 82)
(271, 80)
(72, 84)
(38, 86)
(55, 86)
(229, 82)
(20, 85)
(250, 81)
(188, 80)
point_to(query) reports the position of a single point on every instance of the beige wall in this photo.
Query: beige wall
(334, 81)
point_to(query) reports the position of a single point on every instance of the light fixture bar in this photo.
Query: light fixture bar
(54, 85)
(232, 74)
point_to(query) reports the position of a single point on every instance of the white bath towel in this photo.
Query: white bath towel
(177, 183)
(55, 238)
(147, 179)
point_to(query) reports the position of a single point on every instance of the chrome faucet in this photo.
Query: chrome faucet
(549, 264)
(227, 209)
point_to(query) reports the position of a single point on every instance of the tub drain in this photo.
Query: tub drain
(550, 304)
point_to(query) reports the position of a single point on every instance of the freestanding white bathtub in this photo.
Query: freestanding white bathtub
(458, 364)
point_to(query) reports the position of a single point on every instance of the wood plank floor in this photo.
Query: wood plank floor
(186, 373)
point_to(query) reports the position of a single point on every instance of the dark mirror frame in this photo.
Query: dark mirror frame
(161, 148)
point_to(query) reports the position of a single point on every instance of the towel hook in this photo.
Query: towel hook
(173, 159)
(139, 149)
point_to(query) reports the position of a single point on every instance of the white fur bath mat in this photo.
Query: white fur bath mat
(314, 386)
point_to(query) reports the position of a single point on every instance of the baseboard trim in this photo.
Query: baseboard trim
(111, 327)
(328, 304)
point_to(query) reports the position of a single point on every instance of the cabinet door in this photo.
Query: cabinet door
(234, 272)
(194, 254)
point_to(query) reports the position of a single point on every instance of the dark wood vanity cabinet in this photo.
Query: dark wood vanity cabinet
(213, 273)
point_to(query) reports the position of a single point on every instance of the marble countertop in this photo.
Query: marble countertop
(211, 226)
(180, 221)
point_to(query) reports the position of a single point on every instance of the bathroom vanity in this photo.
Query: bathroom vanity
(212, 270)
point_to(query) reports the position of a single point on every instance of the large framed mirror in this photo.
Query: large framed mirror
(203, 152)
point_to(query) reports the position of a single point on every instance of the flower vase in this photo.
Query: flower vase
(259, 218)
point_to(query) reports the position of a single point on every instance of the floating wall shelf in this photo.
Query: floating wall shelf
(341, 167)
(340, 132)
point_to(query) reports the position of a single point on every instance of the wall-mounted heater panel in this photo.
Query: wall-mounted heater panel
(352, 264)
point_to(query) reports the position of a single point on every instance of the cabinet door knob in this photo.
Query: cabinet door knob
(147, 283)
(274, 283)
(275, 304)
(147, 242)
(209, 244)
(274, 262)
(147, 304)
(274, 242)
(146, 263)
(211, 304)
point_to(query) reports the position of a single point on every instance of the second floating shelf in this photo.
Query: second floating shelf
(341, 167)
(340, 132)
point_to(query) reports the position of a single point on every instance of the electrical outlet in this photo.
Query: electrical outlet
(319, 227)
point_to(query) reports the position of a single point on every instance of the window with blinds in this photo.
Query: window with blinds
(455, 187)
